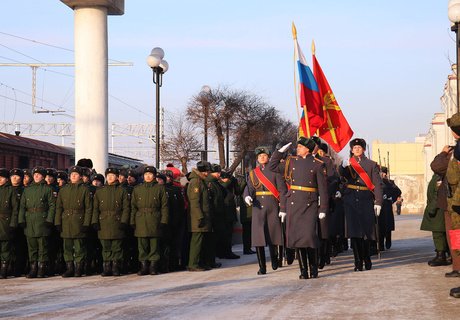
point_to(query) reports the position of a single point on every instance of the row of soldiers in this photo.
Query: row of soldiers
(303, 205)
(78, 222)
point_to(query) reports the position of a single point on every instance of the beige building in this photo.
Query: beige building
(409, 163)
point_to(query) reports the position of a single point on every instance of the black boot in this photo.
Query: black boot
(33, 270)
(153, 270)
(439, 260)
(388, 240)
(366, 254)
(302, 257)
(42, 267)
(313, 262)
(322, 254)
(290, 256)
(70, 270)
(4, 270)
(116, 266)
(261, 258)
(280, 256)
(106, 269)
(358, 262)
(273, 256)
(78, 269)
(144, 269)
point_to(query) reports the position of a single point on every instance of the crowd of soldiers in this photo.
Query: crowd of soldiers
(300, 205)
(77, 222)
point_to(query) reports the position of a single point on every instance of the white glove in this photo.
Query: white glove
(321, 215)
(377, 209)
(282, 215)
(338, 195)
(285, 147)
(390, 198)
(248, 200)
(384, 197)
(345, 163)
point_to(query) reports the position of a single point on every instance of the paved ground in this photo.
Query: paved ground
(400, 286)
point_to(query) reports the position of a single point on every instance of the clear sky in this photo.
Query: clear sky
(387, 61)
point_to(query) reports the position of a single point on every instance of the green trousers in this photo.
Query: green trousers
(5, 250)
(38, 249)
(112, 250)
(74, 250)
(202, 249)
(440, 241)
(148, 249)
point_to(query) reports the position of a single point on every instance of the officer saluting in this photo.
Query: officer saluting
(264, 191)
(362, 200)
(306, 201)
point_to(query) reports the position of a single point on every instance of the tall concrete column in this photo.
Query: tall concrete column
(91, 77)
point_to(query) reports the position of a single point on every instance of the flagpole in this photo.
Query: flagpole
(294, 33)
(294, 36)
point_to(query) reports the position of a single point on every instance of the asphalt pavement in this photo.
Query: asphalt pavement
(400, 285)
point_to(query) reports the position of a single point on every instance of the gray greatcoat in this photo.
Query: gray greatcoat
(266, 225)
(303, 207)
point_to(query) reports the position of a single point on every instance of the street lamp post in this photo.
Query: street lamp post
(159, 66)
(454, 17)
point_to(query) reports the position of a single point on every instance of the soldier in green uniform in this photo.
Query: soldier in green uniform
(8, 220)
(130, 253)
(433, 220)
(55, 249)
(62, 178)
(111, 219)
(97, 180)
(245, 216)
(73, 218)
(199, 218)
(18, 263)
(27, 178)
(149, 214)
(36, 217)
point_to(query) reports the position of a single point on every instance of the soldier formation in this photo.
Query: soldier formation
(76, 222)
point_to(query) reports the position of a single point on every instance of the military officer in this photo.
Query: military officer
(306, 201)
(265, 193)
(362, 200)
(73, 218)
(36, 216)
(8, 220)
(19, 248)
(149, 214)
(199, 218)
(111, 219)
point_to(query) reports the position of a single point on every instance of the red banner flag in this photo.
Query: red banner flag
(335, 130)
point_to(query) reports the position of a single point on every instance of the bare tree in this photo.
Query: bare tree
(181, 144)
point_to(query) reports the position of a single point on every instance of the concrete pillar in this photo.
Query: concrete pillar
(91, 77)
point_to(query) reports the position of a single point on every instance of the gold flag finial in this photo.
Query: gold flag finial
(294, 31)
(313, 48)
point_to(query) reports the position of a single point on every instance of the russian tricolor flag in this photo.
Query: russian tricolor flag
(310, 99)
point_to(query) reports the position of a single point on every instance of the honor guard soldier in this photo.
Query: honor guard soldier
(200, 220)
(149, 212)
(306, 201)
(264, 192)
(362, 200)
(73, 218)
(8, 220)
(36, 216)
(111, 220)
(19, 249)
